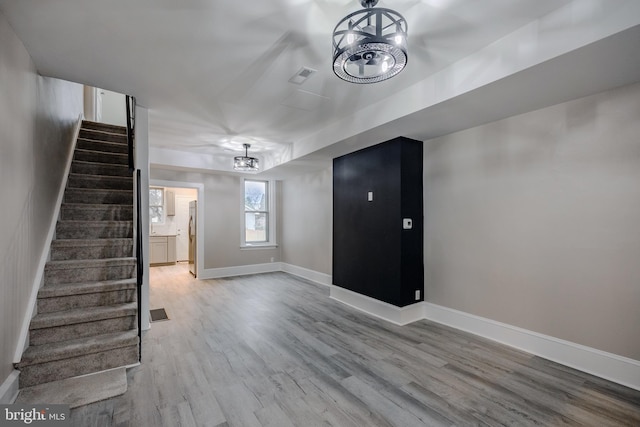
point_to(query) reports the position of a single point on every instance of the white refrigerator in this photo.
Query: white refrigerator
(193, 258)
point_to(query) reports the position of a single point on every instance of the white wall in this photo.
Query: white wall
(114, 109)
(142, 163)
(533, 221)
(37, 116)
(222, 204)
(307, 218)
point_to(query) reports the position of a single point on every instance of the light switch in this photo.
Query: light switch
(370, 196)
(407, 224)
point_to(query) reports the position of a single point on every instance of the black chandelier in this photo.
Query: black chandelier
(370, 45)
(245, 163)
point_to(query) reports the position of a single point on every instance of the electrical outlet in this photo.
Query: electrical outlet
(272, 259)
(370, 196)
(417, 294)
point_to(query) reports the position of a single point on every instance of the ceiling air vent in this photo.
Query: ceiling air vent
(302, 75)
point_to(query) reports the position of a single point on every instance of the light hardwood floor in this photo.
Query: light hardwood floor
(274, 350)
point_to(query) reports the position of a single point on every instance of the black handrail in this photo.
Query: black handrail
(139, 260)
(131, 128)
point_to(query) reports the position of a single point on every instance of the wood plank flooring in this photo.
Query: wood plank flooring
(274, 350)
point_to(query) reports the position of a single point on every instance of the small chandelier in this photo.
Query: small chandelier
(370, 45)
(245, 163)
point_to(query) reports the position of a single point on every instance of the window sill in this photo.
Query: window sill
(258, 246)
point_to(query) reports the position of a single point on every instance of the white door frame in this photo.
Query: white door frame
(200, 229)
(183, 236)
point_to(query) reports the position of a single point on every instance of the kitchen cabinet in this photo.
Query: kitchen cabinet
(162, 249)
(171, 202)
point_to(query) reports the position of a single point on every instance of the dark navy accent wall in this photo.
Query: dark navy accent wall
(372, 254)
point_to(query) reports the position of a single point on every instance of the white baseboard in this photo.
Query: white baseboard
(240, 270)
(389, 312)
(609, 366)
(9, 388)
(305, 273)
(605, 365)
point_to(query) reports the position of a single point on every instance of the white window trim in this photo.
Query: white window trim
(271, 198)
(164, 205)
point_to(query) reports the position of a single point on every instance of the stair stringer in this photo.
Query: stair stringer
(38, 281)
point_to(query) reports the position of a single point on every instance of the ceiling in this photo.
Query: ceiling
(215, 74)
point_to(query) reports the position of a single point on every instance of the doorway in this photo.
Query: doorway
(175, 221)
(182, 219)
(177, 224)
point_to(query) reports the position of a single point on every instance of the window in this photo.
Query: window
(257, 215)
(156, 205)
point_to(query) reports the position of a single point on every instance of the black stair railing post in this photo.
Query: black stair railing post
(139, 260)
(131, 121)
(130, 102)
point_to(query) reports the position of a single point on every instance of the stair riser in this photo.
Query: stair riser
(91, 252)
(111, 147)
(67, 368)
(102, 136)
(94, 156)
(90, 274)
(69, 302)
(71, 230)
(98, 196)
(103, 213)
(104, 127)
(99, 169)
(98, 182)
(80, 330)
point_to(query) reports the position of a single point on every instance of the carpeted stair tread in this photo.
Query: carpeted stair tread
(94, 196)
(107, 143)
(94, 229)
(82, 315)
(99, 168)
(63, 243)
(88, 190)
(96, 212)
(103, 153)
(88, 263)
(100, 190)
(106, 127)
(102, 135)
(36, 354)
(65, 289)
(107, 146)
(97, 206)
(89, 270)
(90, 223)
(100, 156)
(105, 182)
(94, 248)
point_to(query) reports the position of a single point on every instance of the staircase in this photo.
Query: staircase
(86, 311)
